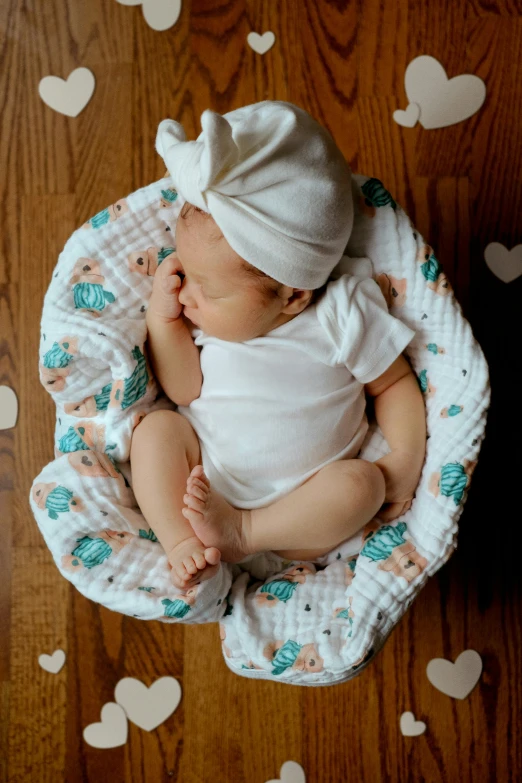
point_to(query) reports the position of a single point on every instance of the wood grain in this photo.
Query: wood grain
(344, 62)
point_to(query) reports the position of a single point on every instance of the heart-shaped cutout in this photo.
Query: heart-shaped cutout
(407, 118)
(456, 679)
(291, 772)
(159, 14)
(505, 264)
(148, 707)
(411, 727)
(442, 101)
(52, 663)
(68, 97)
(261, 43)
(8, 408)
(111, 732)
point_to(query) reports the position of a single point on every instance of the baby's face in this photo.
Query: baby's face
(217, 295)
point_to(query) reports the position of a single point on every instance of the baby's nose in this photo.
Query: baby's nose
(183, 298)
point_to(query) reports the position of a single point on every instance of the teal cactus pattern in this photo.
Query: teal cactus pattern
(169, 194)
(383, 541)
(149, 534)
(103, 398)
(376, 194)
(280, 589)
(454, 410)
(285, 657)
(134, 387)
(147, 589)
(433, 348)
(91, 552)
(431, 269)
(59, 501)
(423, 381)
(100, 219)
(163, 253)
(91, 296)
(175, 608)
(453, 481)
(71, 441)
(56, 357)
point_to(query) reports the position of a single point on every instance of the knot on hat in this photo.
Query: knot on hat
(275, 183)
(196, 165)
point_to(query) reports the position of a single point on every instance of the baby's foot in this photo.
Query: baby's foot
(192, 562)
(215, 522)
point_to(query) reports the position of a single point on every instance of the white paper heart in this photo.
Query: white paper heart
(456, 679)
(68, 97)
(8, 408)
(505, 264)
(442, 101)
(148, 707)
(52, 663)
(407, 118)
(111, 732)
(261, 43)
(159, 14)
(291, 772)
(411, 727)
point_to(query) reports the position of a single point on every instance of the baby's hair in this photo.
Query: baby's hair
(269, 287)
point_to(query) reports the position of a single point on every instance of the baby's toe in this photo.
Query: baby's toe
(199, 473)
(180, 574)
(190, 565)
(195, 482)
(199, 559)
(212, 555)
(197, 492)
(193, 502)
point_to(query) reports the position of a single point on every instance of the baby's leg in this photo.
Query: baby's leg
(328, 508)
(164, 450)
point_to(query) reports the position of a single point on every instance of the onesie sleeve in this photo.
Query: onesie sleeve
(366, 338)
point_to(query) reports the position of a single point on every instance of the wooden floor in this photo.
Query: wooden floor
(344, 62)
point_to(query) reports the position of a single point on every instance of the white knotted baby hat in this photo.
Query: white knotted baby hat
(274, 181)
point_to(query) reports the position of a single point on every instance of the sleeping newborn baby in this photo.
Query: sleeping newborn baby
(268, 357)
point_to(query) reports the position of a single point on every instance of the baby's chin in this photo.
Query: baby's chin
(187, 316)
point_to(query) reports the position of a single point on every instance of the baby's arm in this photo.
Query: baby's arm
(173, 354)
(400, 413)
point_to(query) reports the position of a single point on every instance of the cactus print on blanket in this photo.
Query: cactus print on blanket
(88, 291)
(292, 622)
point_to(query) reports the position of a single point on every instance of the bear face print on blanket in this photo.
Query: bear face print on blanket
(301, 623)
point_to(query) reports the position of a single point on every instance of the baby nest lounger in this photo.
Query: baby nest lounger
(296, 622)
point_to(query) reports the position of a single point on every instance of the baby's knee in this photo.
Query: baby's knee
(374, 478)
(366, 480)
(157, 422)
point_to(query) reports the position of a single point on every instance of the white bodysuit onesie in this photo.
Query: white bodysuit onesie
(275, 409)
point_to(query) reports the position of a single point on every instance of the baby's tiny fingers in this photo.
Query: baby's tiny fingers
(171, 283)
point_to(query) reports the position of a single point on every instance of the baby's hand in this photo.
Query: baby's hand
(164, 300)
(401, 472)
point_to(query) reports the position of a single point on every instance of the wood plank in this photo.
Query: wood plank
(499, 7)
(37, 698)
(153, 650)
(495, 54)
(34, 433)
(442, 152)
(94, 667)
(443, 220)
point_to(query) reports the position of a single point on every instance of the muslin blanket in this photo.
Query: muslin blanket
(297, 622)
